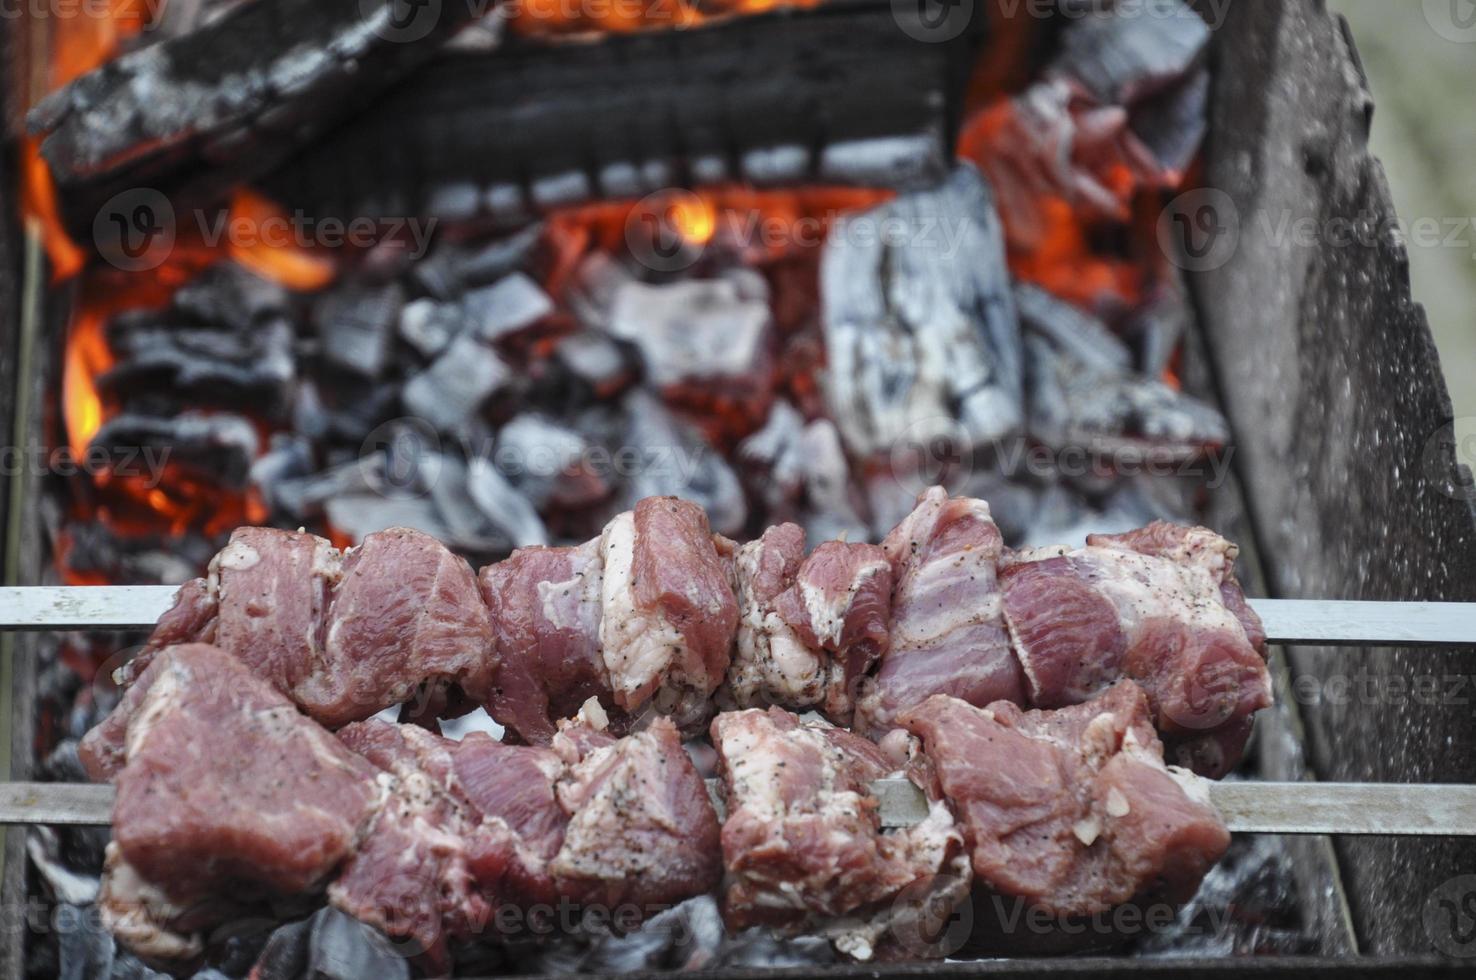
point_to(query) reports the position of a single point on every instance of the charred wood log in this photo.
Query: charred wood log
(838, 94)
(202, 111)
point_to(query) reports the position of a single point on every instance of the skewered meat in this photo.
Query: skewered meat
(669, 614)
(948, 631)
(802, 842)
(1160, 606)
(1070, 809)
(224, 789)
(546, 659)
(811, 628)
(344, 636)
(642, 831)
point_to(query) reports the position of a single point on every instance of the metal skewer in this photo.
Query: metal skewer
(1256, 808)
(1248, 807)
(1294, 621)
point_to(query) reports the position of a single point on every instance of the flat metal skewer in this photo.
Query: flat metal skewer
(1386, 809)
(1291, 621)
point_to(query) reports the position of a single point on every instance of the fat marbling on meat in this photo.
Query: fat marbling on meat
(809, 628)
(343, 635)
(802, 842)
(642, 832)
(1161, 606)
(545, 606)
(225, 792)
(948, 632)
(1072, 809)
(669, 612)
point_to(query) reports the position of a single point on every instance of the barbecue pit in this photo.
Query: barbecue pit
(1318, 359)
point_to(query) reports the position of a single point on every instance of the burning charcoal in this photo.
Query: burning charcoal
(697, 332)
(597, 360)
(355, 323)
(359, 515)
(1071, 328)
(43, 847)
(512, 304)
(229, 295)
(831, 499)
(289, 457)
(468, 527)
(773, 452)
(1160, 326)
(1172, 124)
(453, 268)
(1074, 405)
(343, 948)
(504, 506)
(674, 460)
(455, 386)
(596, 282)
(920, 325)
(85, 948)
(218, 448)
(429, 326)
(276, 74)
(1121, 55)
(248, 365)
(286, 954)
(543, 459)
(303, 497)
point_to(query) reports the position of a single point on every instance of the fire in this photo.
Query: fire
(294, 267)
(561, 17)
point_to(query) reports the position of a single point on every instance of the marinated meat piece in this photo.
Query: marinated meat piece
(811, 628)
(642, 831)
(411, 877)
(948, 633)
(1071, 809)
(669, 615)
(223, 789)
(546, 659)
(191, 619)
(1160, 606)
(841, 603)
(406, 617)
(771, 664)
(272, 590)
(344, 636)
(802, 843)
